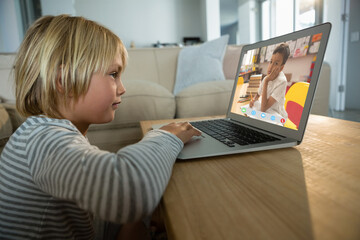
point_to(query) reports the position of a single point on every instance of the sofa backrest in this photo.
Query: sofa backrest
(149, 64)
(6, 78)
(152, 64)
(159, 64)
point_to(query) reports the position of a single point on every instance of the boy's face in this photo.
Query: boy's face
(98, 105)
(275, 62)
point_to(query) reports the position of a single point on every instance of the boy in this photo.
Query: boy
(273, 87)
(52, 181)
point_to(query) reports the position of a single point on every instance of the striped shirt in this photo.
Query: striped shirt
(53, 181)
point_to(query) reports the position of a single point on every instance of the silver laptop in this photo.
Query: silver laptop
(247, 129)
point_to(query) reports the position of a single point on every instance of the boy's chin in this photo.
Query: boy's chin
(105, 120)
(110, 119)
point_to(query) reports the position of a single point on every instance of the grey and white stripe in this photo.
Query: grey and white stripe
(52, 181)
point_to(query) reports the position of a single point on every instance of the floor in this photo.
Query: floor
(349, 114)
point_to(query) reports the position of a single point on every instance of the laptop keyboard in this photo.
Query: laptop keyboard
(230, 133)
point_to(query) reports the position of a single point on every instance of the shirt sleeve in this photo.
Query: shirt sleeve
(119, 187)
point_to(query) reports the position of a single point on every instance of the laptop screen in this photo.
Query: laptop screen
(273, 81)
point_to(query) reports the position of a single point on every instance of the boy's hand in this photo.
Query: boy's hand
(273, 74)
(183, 130)
(253, 99)
(251, 104)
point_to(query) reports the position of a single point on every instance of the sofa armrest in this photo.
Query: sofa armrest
(15, 118)
(6, 128)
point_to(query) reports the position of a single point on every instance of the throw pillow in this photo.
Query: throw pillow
(200, 63)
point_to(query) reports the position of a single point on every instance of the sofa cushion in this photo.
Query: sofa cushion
(143, 100)
(5, 126)
(204, 99)
(200, 63)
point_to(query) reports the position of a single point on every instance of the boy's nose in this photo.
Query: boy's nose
(120, 88)
(271, 66)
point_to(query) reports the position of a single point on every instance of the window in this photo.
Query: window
(304, 14)
(279, 17)
(15, 18)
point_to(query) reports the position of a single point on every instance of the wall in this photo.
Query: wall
(332, 14)
(248, 22)
(212, 16)
(138, 21)
(55, 7)
(9, 26)
(352, 99)
(299, 67)
(145, 22)
(229, 19)
(232, 31)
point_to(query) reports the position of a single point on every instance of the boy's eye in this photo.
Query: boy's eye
(114, 75)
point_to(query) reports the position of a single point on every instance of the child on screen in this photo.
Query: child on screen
(273, 87)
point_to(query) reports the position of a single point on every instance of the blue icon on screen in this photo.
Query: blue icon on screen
(253, 112)
(272, 118)
(263, 115)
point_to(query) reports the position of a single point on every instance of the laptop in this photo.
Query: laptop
(248, 129)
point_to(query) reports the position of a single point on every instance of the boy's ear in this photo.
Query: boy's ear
(282, 67)
(59, 82)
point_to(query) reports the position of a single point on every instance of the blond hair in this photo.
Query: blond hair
(72, 48)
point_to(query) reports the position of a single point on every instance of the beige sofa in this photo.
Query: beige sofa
(149, 79)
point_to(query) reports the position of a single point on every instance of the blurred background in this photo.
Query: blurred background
(166, 23)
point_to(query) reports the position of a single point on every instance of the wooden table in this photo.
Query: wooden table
(311, 191)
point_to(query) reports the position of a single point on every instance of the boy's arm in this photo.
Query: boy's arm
(266, 102)
(120, 187)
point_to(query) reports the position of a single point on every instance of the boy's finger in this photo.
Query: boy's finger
(197, 132)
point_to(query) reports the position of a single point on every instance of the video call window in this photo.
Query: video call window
(285, 71)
